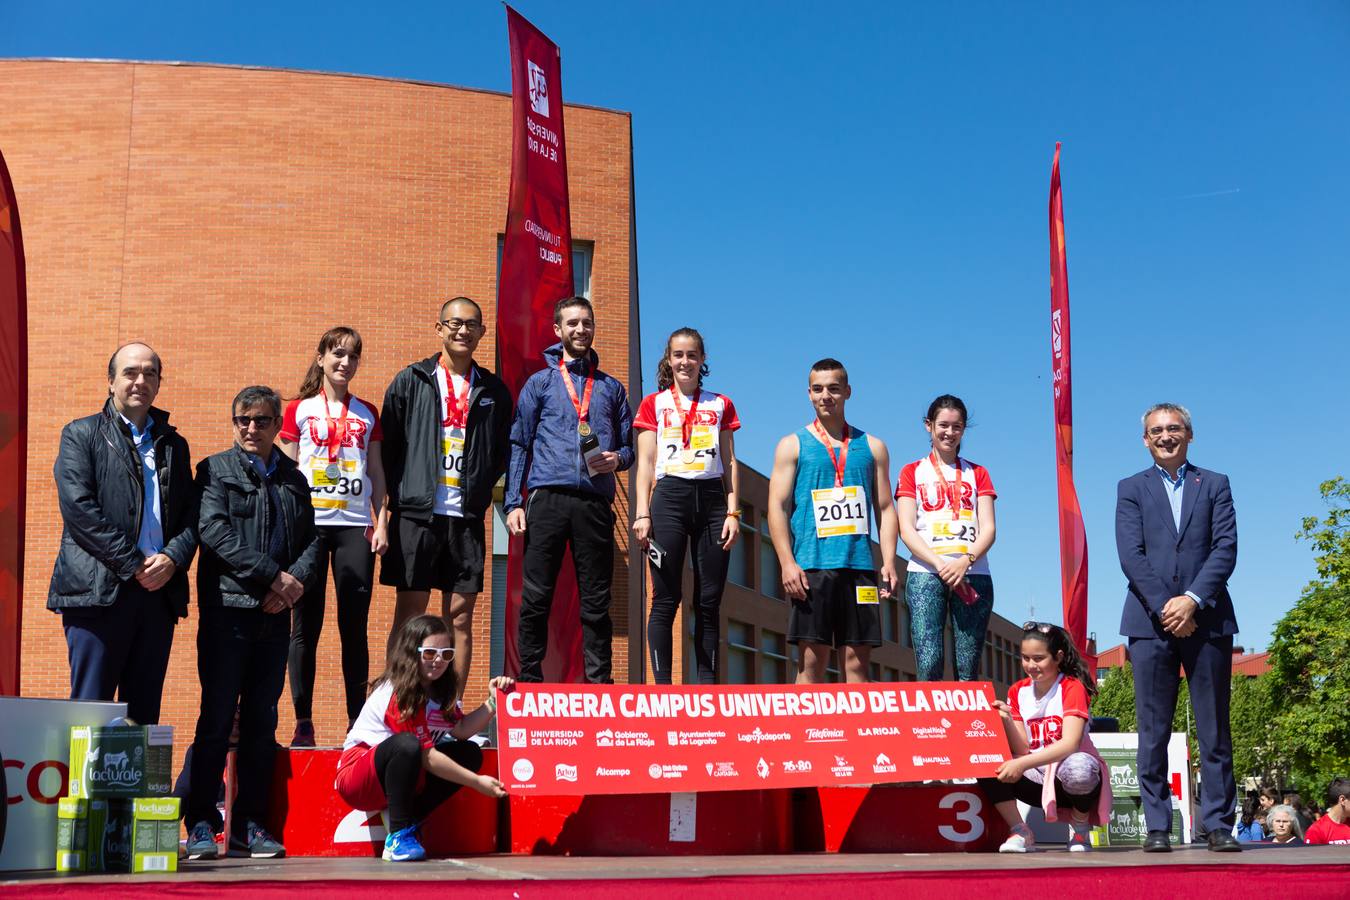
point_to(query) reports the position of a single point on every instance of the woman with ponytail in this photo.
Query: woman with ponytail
(686, 497)
(335, 437)
(1053, 760)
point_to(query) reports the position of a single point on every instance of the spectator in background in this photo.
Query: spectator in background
(1268, 798)
(1334, 827)
(1284, 826)
(1301, 808)
(1248, 828)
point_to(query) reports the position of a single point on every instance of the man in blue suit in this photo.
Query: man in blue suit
(1176, 533)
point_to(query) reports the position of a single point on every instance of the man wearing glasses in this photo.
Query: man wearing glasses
(259, 551)
(446, 423)
(1176, 533)
(129, 531)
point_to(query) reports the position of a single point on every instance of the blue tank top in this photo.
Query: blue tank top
(814, 472)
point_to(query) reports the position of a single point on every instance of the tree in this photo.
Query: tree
(1255, 754)
(1309, 674)
(1115, 697)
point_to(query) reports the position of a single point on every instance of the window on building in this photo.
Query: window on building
(773, 657)
(741, 561)
(907, 636)
(740, 661)
(583, 252)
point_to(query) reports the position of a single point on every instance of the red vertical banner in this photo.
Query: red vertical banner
(13, 431)
(1073, 560)
(536, 274)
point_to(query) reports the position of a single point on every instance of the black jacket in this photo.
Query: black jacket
(411, 452)
(235, 568)
(100, 490)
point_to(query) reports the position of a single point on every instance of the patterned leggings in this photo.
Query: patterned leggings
(1078, 784)
(928, 600)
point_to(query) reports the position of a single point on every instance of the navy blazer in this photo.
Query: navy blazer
(1162, 561)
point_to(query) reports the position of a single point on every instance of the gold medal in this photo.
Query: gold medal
(584, 429)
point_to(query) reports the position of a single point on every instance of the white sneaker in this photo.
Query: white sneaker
(1020, 841)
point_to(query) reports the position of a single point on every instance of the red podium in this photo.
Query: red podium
(897, 818)
(309, 817)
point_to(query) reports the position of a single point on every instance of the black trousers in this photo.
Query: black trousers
(398, 765)
(348, 551)
(241, 660)
(122, 651)
(556, 518)
(687, 514)
(1029, 792)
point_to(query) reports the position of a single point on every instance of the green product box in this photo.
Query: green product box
(1123, 771)
(154, 834)
(81, 826)
(1126, 826)
(121, 761)
(118, 835)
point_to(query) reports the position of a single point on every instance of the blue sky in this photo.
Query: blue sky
(869, 181)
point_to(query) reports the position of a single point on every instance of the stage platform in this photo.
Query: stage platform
(1304, 872)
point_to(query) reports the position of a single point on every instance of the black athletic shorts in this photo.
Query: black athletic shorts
(831, 613)
(445, 554)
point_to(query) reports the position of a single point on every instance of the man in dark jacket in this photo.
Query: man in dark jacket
(259, 551)
(446, 422)
(129, 531)
(573, 430)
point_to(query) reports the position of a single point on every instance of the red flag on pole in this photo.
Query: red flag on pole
(13, 432)
(1073, 560)
(536, 274)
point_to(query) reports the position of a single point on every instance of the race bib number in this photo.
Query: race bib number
(953, 537)
(452, 461)
(335, 489)
(697, 458)
(835, 515)
(867, 596)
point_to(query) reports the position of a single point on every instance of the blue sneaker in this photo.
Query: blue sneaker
(403, 846)
(201, 842)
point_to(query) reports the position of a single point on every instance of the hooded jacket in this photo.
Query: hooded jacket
(545, 445)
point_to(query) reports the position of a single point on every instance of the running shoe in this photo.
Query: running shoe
(1020, 841)
(1080, 841)
(256, 843)
(201, 842)
(304, 734)
(403, 846)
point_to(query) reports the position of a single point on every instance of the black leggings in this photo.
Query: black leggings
(688, 513)
(353, 572)
(398, 764)
(1029, 792)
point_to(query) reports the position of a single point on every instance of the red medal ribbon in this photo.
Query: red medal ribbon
(686, 421)
(953, 490)
(583, 405)
(337, 428)
(841, 459)
(456, 408)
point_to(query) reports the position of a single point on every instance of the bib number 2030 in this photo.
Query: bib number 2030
(840, 511)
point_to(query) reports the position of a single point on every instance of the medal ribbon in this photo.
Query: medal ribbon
(456, 408)
(842, 458)
(337, 428)
(583, 405)
(686, 421)
(952, 490)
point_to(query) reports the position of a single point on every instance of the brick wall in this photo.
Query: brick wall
(229, 216)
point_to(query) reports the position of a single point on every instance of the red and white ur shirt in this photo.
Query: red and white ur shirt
(946, 534)
(702, 458)
(1044, 716)
(380, 719)
(340, 496)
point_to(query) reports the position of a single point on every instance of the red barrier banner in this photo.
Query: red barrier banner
(633, 739)
(1073, 559)
(13, 432)
(536, 274)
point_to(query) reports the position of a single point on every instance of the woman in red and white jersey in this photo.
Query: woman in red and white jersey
(335, 437)
(686, 497)
(946, 508)
(409, 748)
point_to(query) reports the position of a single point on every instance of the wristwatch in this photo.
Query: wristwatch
(971, 557)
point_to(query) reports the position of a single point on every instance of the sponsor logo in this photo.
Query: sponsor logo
(538, 88)
(564, 772)
(673, 738)
(928, 732)
(986, 757)
(824, 735)
(515, 737)
(611, 738)
(604, 738)
(978, 729)
(760, 736)
(762, 767)
(723, 770)
(883, 765)
(694, 738)
(675, 770)
(555, 737)
(709, 767)
(842, 768)
(606, 772)
(654, 770)
(879, 731)
(115, 769)
(946, 723)
(920, 760)
(797, 766)
(522, 769)
(1124, 777)
(975, 723)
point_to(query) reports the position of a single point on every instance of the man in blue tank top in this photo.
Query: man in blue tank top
(830, 482)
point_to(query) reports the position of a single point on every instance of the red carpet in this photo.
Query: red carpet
(1307, 882)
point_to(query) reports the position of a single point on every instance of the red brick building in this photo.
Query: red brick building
(228, 217)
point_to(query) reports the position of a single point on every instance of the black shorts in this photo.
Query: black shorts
(831, 613)
(444, 554)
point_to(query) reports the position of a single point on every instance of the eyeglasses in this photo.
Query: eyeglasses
(454, 326)
(434, 653)
(1042, 627)
(261, 421)
(1160, 430)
